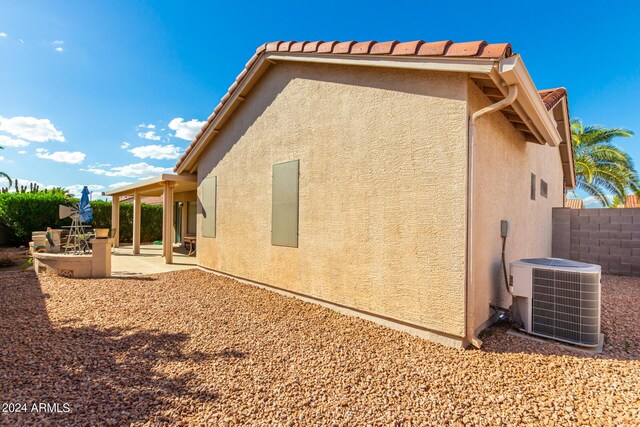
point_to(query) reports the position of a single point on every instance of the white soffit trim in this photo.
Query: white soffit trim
(464, 65)
(513, 72)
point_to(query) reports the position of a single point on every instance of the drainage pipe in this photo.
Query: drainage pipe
(508, 100)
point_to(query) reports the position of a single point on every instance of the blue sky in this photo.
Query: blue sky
(102, 93)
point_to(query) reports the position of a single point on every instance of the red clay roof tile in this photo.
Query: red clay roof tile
(326, 47)
(297, 47)
(496, 50)
(434, 48)
(478, 49)
(362, 48)
(273, 46)
(343, 47)
(285, 46)
(465, 49)
(575, 203)
(312, 46)
(551, 97)
(383, 48)
(407, 48)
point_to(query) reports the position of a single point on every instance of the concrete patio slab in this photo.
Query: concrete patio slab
(150, 261)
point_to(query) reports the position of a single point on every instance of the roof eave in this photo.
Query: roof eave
(513, 72)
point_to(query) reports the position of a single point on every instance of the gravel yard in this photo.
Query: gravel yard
(188, 347)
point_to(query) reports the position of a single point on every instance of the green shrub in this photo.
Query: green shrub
(23, 213)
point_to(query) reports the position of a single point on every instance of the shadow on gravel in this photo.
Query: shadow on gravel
(104, 375)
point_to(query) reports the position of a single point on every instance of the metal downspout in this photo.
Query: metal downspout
(508, 100)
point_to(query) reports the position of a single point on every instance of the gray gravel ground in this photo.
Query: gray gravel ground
(190, 348)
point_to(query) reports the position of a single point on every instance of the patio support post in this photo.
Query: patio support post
(115, 220)
(167, 223)
(137, 216)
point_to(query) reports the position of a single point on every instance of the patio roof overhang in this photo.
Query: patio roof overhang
(155, 186)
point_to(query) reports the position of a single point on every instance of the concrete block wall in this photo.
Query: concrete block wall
(608, 237)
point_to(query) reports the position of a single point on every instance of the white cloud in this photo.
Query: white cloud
(57, 45)
(3, 35)
(149, 135)
(76, 189)
(22, 152)
(71, 157)
(125, 145)
(134, 170)
(31, 129)
(147, 126)
(7, 141)
(592, 202)
(120, 184)
(156, 152)
(1, 158)
(185, 130)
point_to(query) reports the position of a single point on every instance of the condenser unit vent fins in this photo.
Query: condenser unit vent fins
(566, 305)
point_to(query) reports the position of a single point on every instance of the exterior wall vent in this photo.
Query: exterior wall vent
(533, 186)
(543, 188)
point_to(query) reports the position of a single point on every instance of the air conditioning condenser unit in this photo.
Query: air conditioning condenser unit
(557, 298)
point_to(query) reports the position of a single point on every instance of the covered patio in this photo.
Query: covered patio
(178, 194)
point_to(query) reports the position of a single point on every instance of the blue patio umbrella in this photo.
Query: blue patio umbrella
(84, 208)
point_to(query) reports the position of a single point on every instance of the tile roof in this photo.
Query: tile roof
(631, 202)
(575, 203)
(551, 97)
(417, 48)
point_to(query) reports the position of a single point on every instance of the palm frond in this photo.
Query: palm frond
(8, 178)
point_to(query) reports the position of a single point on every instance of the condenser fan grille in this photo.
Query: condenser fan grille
(566, 305)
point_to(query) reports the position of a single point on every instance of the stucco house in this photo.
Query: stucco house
(373, 177)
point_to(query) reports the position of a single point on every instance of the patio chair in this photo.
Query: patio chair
(190, 243)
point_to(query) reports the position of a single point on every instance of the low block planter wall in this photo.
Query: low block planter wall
(97, 264)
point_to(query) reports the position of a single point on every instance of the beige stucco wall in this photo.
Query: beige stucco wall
(382, 190)
(503, 163)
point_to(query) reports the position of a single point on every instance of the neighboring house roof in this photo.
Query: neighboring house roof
(631, 202)
(575, 203)
(551, 97)
(480, 51)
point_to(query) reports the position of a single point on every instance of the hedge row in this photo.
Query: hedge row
(23, 213)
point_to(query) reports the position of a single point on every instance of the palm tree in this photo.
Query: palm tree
(602, 169)
(2, 174)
